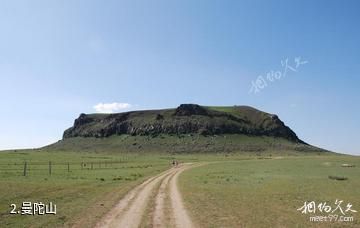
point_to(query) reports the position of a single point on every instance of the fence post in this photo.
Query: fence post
(49, 167)
(25, 166)
(68, 167)
(91, 165)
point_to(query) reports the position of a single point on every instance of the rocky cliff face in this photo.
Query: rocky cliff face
(185, 119)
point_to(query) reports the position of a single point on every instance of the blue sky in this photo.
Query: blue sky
(61, 58)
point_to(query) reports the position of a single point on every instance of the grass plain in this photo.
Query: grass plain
(82, 195)
(268, 192)
(261, 186)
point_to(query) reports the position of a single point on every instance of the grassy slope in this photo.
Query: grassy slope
(184, 144)
(255, 116)
(266, 193)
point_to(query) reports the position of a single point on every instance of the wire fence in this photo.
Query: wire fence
(27, 167)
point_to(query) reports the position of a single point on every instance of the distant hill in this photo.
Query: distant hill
(186, 119)
(187, 128)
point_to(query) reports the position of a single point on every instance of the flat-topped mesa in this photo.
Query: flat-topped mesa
(185, 119)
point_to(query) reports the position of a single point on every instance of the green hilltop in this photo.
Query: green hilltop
(185, 129)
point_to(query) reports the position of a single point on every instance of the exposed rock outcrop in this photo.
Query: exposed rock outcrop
(186, 119)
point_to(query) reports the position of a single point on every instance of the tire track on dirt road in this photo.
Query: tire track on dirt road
(159, 219)
(119, 216)
(181, 216)
(130, 210)
(174, 215)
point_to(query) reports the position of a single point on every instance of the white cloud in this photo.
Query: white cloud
(111, 107)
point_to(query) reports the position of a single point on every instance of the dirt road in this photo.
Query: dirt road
(158, 197)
